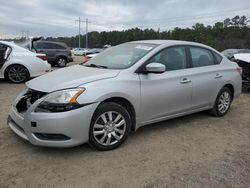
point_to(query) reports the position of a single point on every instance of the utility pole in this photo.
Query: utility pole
(87, 33)
(27, 34)
(79, 25)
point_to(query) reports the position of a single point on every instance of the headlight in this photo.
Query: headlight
(60, 101)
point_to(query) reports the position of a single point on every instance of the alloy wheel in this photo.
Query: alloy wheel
(224, 102)
(61, 62)
(109, 128)
(17, 74)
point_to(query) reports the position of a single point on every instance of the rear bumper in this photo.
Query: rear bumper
(43, 70)
(40, 128)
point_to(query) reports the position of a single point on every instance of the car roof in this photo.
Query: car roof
(15, 46)
(170, 42)
(52, 42)
(7, 43)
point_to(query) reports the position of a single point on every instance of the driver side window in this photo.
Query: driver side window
(174, 58)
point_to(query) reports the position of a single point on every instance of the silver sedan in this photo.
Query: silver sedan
(121, 89)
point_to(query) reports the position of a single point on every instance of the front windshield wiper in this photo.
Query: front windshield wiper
(97, 66)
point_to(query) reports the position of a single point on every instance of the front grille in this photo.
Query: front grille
(28, 99)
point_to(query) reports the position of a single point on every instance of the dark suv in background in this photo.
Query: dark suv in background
(58, 53)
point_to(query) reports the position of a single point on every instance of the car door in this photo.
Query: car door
(206, 77)
(168, 93)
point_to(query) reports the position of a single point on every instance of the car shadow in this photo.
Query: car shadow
(144, 131)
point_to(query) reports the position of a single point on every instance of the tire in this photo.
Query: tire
(17, 74)
(111, 134)
(222, 103)
(61, 61)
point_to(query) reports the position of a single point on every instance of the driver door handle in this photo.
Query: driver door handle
(185, 81)
(218, 76)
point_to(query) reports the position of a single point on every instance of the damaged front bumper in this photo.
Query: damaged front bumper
(63, 129)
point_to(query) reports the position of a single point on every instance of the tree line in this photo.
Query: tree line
(230, 33)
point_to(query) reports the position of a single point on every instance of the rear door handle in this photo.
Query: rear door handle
(185, 81)
(218, 76)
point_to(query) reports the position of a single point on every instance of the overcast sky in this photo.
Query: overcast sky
(57, 18)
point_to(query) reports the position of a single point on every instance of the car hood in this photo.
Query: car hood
(243, 57)
(70, 77)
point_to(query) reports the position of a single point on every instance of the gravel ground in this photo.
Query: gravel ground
(193, 151)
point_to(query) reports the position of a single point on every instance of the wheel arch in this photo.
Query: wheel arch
(62, 55)
(127, 105)
(231, 88)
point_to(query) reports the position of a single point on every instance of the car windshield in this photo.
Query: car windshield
(121, 56)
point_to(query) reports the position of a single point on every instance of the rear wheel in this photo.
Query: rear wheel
(61, 61)
(109, 127)
(17, 74)
(222, 103)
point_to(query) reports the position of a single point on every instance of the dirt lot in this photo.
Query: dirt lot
(192, 151)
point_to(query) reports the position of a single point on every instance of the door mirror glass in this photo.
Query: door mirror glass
(155, 68)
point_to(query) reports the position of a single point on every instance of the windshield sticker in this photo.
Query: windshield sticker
(141, 47)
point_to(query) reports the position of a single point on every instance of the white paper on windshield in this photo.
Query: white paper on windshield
(141, 47)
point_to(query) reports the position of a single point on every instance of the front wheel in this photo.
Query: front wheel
(222, 103)
(109, 127)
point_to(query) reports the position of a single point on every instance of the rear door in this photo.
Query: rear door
(206, 76)
(167, 93)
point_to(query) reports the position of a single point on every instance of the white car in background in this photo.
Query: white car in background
(18, 64)
(80, 51)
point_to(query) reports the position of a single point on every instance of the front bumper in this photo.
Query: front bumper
(73, 125)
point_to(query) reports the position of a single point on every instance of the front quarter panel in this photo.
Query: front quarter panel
(125, 85)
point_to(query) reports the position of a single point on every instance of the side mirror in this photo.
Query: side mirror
(155, 68)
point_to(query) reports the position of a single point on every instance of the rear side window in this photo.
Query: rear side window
(218, 58)
(53, 46)
(38, 45)
(174, 58)
(4, 51)
(201, 57)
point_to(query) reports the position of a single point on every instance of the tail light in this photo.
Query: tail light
(240, 70)
(42, 57)
(69, 52)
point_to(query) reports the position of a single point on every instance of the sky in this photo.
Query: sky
(58, 17)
